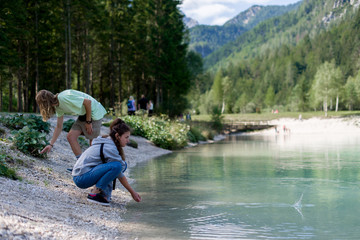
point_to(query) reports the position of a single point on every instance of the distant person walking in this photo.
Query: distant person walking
(143, 103)
(103, 162)
(131, 106)
(71, 102)
(151, 108)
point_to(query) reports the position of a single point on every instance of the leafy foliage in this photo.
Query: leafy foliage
(217, 119)
(18, 121)
(159, 130)
(30, 141)
(194, 135)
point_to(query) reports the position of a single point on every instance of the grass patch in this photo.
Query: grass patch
(5, 169)
(256, 117)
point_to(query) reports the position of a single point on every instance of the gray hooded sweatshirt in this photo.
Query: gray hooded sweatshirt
(91, 157)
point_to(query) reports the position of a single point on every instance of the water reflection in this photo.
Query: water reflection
(252, 187)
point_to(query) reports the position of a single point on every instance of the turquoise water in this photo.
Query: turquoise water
(251, 187)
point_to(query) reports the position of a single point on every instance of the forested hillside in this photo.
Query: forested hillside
(305, 60)
(310, 18)
(110, 49)
(206, 39)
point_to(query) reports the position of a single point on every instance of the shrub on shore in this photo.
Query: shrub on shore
(18, 121)
(161, 130)
(30, 141)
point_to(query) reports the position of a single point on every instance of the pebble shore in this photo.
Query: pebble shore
(46, 204)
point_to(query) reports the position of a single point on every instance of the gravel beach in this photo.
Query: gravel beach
(46, 204)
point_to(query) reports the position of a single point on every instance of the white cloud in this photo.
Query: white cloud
(219, 21)
(210, 11)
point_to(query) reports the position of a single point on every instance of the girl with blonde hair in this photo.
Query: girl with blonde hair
(71, 102)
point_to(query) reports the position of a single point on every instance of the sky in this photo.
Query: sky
(217, 12)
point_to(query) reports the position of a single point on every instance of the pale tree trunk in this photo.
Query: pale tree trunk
(223, 106)
(325, 106)
(337, 103)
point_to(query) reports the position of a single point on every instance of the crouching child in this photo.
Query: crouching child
(103, 162)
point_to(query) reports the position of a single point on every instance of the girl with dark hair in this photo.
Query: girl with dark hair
(90, 169)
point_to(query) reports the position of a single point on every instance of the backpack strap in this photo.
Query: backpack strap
(103, 159)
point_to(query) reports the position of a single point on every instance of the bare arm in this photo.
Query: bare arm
(87, 105)
(134, 194)
(57, 131)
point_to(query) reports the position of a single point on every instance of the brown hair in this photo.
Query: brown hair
(46, 101)
(118, 126)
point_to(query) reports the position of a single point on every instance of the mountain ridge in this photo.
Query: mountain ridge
(205, 39)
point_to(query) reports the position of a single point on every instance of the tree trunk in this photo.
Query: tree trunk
(66, 51)
(337, 103)
(120, 84)
(223, 106)
(26, 83)
(325, 107)
(1, 95)
(19, 90)
(35, 108)
(80, 56)
(68, 84)
(86, 65)
(10, 96)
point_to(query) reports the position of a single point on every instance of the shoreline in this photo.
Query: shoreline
(46, 204)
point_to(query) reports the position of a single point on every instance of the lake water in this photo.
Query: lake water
(252, 187)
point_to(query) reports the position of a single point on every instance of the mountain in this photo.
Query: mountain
(205, 39)
(305, 60)
(190, 22)
(256, 14)
(310, 18)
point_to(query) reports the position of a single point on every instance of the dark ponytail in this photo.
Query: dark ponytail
(118, 126)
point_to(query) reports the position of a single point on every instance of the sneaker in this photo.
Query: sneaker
(97, 198)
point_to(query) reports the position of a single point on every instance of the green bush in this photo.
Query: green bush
(18, 121)
(194, 135)
(5, 170)
(159, 130)
(68, 124)
(217, 119)
(30, 141)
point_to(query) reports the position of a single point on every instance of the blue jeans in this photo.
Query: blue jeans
(102, 176)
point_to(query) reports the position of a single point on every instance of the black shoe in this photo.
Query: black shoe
(98, 198)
